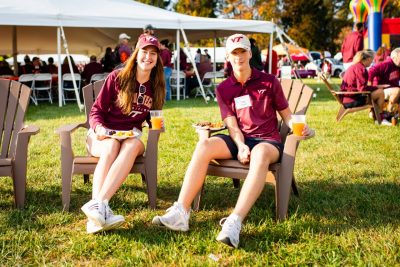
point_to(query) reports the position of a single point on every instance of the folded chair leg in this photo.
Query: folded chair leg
(196, 201)
(236, 183)
(86, 178)
(294, 187)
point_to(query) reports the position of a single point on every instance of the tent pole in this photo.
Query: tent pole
(270, 52)
(215, 52)
(178, 58)
(78, 99)
(14, 47)
(194, 65)
(60, 93)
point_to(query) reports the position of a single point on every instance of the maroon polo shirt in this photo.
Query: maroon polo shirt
(266, 97)
(355, 79)
(90, 69)
(351, 45)
(166, 56)
(385, 72)
(105, 110)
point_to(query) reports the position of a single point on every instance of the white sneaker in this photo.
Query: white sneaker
(176, 218)
(112, 221)
(385, 122)
(95, 210)
(92, 228)
(231, 227)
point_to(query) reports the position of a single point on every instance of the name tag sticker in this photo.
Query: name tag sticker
(242, 102)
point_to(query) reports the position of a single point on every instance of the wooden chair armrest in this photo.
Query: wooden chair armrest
(69, 128)
(21, 151)
(29, 130)
(354, 93)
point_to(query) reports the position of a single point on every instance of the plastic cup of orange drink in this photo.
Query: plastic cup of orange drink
(298, 123)
(156, 119)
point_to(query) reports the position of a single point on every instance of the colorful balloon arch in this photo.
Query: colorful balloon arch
(359, 10)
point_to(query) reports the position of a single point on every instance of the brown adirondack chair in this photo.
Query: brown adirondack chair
(14, 135)
(280, 174)
(146, 165)
(344, 111)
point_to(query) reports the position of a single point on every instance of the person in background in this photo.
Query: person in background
(388, 73)
(37, 65)
(197, 57)
(227, 69)
(108, 61)
(182, 60)
(124, 103)
(166, 57)
(274, 67)
(27, 68)
(206, 54)
(5, 68)
(93, 67)
(51, 68)
(65, 66)
(149, 29)
(250, 115)
(352, 44)
(355, 79)
(379, 56)
(327, 68)
(123, 51)
(255, 61)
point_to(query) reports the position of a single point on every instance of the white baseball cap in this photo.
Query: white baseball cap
(124, 36)
(237, 41)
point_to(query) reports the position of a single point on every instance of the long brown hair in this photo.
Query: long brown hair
(127, 81)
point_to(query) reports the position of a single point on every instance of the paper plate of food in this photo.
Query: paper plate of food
(118, 134)
(206, 125)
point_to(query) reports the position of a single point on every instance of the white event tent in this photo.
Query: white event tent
(89, 26)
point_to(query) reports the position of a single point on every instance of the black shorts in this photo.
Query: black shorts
(250, 142)
(358, 102)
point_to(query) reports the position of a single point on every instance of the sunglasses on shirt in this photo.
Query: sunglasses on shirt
(142, 91)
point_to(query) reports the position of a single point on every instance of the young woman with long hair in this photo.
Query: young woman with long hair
(123, 103)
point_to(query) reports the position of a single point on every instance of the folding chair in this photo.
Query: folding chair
(27, 79)
(174, 83)
(42, 82)
(209, 82)
(68, 86)
(97, 77)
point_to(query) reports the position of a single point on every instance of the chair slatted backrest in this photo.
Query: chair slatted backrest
(330, 88)
(298, 96)
(14, 100)
(90, 93)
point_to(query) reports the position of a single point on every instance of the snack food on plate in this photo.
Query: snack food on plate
(210, 125)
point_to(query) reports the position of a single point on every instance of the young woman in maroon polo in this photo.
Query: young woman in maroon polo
(124, 102)
(248, 102)
(356, 78)
(388, 73)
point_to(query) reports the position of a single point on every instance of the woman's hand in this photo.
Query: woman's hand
(243, 154)
(306, 130)
(100, 132)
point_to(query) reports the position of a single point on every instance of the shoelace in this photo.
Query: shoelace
(231, 226)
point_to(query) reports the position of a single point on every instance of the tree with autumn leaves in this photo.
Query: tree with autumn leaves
(315, 24)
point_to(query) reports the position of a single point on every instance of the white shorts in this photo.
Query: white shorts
(387, 93)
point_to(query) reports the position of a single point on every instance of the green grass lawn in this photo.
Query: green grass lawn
(348, 211)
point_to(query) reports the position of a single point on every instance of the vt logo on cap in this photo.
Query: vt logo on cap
(237, 41)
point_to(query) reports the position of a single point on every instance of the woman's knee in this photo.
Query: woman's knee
(111, 148)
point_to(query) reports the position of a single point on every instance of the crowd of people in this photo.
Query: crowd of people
(382, 79)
